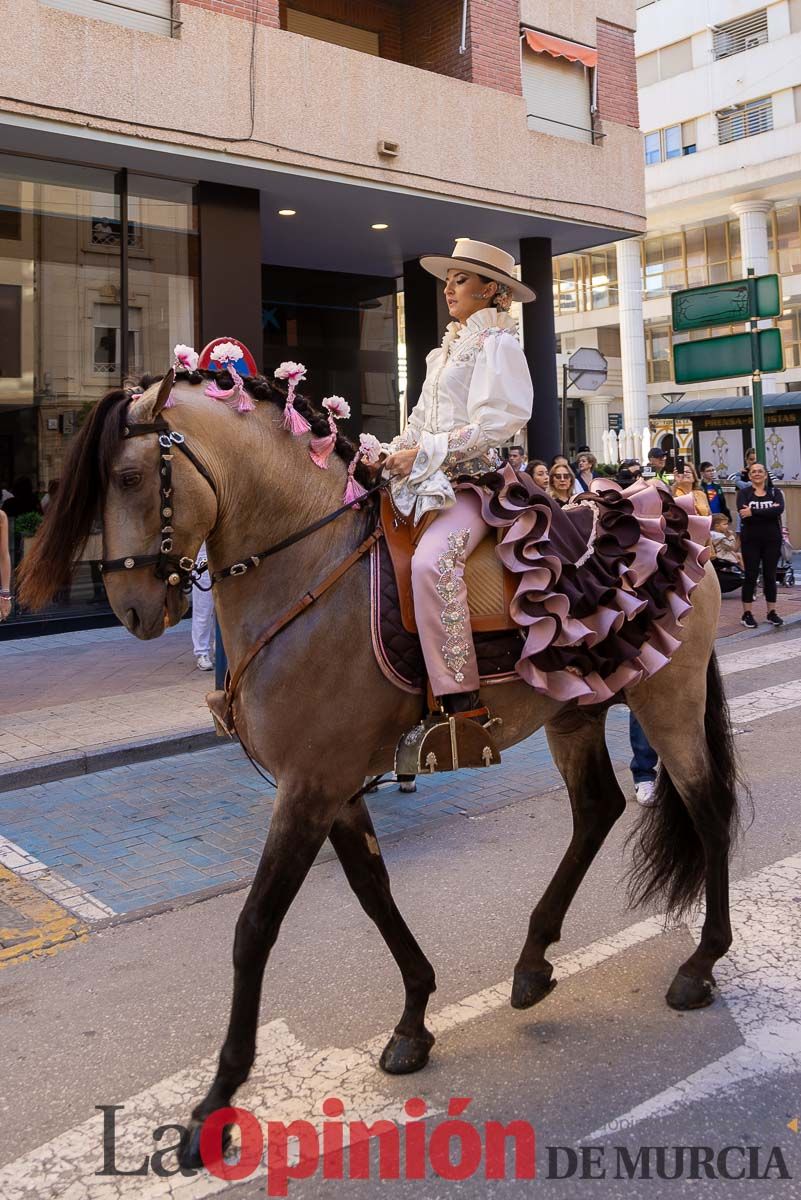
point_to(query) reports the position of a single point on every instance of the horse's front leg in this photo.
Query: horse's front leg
(577, 743)
(353, 837)
(300, 823)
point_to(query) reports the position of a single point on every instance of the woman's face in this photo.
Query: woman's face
(465, 294)
(758, 475)
(560, 479)
(584, 464)
(687, 474)
(540, 475)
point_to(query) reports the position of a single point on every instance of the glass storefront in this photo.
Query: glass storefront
(66, 282)
(344, 329)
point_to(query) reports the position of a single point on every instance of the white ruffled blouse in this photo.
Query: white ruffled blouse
(477, 394)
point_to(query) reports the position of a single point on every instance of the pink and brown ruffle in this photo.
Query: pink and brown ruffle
(603, 583)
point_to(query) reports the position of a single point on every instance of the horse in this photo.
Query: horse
(315, 710)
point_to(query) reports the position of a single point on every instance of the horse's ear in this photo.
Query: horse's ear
(146, 408)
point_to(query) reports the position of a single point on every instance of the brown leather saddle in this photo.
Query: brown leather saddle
(490, 587)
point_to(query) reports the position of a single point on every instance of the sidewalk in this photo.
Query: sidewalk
(87, 701)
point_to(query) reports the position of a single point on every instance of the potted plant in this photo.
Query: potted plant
(26, 526)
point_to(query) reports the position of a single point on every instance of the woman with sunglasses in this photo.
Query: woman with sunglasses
(561, 483)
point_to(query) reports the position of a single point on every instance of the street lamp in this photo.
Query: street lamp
(674, 398)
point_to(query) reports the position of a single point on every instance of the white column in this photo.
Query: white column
(753, 216)
(632, 338)
(596, 422)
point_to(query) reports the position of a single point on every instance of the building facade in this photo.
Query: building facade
(271, 171)
(720, 105)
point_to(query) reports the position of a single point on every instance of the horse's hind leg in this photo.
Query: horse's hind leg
(578, 746)
(300, 824)
(353, 837)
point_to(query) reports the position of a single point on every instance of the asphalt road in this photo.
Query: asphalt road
(134, 1016)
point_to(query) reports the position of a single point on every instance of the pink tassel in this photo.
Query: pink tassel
(217, 393)
(320, 450)
(245, 400)
(293, 421)
(354, 490)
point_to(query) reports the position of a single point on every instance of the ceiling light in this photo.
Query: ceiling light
(379, 225)
(286, 212)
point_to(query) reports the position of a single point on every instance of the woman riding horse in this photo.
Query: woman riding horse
(477, 394)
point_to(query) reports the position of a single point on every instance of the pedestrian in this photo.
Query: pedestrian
(538, 470)
(561, 483)
(580, 450)
(586, 464)
(760, 506)
(517, 458)
(203, 622)
(643, 763)
(657, 458)
(725, 542)
(630, 471)
(689, 484)
(714, 491)
(740, 479)
(5, 569)
(49, 495)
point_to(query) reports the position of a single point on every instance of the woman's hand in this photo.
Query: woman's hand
(400, 464)
(745, 512)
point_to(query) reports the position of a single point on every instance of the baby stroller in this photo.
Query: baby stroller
(730, 576)
(785, 575)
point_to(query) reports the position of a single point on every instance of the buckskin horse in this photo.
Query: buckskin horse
(316, 711)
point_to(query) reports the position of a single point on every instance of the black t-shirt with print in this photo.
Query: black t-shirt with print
(766, 510)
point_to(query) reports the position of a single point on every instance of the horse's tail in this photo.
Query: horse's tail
(669, 863)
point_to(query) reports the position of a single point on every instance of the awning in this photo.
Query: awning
(729, 405)
(544, 43)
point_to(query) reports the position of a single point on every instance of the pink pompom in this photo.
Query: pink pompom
(320, 450)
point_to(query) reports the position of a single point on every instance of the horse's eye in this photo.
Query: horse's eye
(130, 479)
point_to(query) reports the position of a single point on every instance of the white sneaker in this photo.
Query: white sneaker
(644, 794)
(204, 663)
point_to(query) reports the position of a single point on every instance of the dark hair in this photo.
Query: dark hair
(533, 463)
(582, 450)
(704, 466)
(520, 448)
(553, 461)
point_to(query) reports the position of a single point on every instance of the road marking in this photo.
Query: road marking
(31, 925)
(760, 981)
(760, 656)
(67, 894)
(766, 702)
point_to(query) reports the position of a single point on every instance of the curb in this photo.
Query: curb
(115, 754)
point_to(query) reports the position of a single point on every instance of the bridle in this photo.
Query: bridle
(174, 569)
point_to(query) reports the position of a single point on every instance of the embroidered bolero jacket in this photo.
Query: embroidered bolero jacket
(477, 394)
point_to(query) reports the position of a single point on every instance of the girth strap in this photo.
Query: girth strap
(294, 611)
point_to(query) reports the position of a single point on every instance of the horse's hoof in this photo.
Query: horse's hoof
(529, 987)
(690, 991)
(189, 1156)
(403, 1055)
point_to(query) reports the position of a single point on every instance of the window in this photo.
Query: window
(743, 34)
(557, 95)
(657, 353)
(665, 63)
(790, 324)
(745, 120)
(106, 358)
(609, 341)
(672, 142)
(584, 282)
(784, 239)
(795, 16)
(336, 32)
(10, 331)
(149, 16)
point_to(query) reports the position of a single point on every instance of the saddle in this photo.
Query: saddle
(490, 587)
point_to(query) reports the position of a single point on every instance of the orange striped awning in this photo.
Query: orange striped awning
(544, 43)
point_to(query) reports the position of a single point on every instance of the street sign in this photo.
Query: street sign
(725, 357)
(587, 369)
(725, 304)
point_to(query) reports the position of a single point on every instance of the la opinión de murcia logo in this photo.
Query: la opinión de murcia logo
(453, 1148)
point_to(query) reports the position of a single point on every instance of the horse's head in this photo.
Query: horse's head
(118, 476)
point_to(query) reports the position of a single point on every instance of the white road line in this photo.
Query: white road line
(67, 894)
(760, 656)
(766, 702)
(760, 981)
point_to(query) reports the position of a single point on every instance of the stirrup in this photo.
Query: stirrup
(220, 709)
(447, 743)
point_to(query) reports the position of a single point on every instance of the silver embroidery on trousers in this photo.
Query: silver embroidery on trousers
(454, 615)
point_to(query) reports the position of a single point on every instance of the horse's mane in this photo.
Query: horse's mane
(48, 565)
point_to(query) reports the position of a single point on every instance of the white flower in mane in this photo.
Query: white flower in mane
(293, 372)
(226, 352)
(338, 407)
(369, 447)
(186, 356)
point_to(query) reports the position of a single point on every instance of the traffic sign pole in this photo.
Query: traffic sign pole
(757, 407)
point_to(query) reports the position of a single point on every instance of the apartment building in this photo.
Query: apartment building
(178, 171)
(720, 104)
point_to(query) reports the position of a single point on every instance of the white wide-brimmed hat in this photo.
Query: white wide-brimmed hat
(482, 259)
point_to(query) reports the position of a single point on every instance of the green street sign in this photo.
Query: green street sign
(725, 357)
(725, 304)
